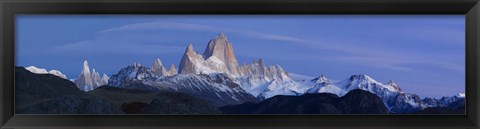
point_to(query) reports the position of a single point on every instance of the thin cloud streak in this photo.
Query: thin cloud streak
(118, 47)
(398, 63)
(160, 25)
(188, 26)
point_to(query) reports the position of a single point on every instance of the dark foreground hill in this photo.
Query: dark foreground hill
(147, 102)
(49, 94)
(354, 102)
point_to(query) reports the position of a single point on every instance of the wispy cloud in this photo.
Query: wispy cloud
(118, 47)
(376, 62)
(399, 63)
(280, 37)
(162, 25)
(188, 26)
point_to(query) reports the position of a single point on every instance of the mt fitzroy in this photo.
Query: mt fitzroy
(257, 79)
(214, 76)
(217, 58)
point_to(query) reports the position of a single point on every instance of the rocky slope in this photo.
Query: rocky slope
(218, 89)
(49, 94)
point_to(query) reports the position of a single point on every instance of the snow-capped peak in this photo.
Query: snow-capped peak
(361, 77)
(58, 73)
(461, 95)
(392, 83)
(136, 64)
(364, 80)
(321, 79)
(36, 70)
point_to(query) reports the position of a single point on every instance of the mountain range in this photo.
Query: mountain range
(216, 76)
(50, 94)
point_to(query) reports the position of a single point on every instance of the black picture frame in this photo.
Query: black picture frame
(10, 8)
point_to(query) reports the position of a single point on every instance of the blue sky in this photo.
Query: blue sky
(424, 54)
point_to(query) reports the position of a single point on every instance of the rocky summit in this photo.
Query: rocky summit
(160, 70)
(221, 49)
(217, 58)
(87, 81)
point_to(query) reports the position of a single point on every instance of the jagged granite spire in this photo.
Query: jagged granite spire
(105, 78)
(219, 57)
(172, 71)
(84, 80)
(87, 81)
(190, 61)
(96, 79)
(221, 48)
(159, 69)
